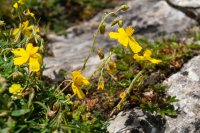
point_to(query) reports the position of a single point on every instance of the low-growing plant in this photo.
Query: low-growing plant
(127, 77)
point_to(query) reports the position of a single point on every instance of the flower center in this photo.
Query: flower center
(78, 81)
(129, 31)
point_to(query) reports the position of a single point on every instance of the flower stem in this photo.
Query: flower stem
(95, 37)
(127, 93)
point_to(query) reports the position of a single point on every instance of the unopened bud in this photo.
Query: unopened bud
(51, 114)
(124, 7)
(103, 29)
(100, 53)
(120, 23)
(56, 107)
(16, 75)
(114, 22)
(2, 23)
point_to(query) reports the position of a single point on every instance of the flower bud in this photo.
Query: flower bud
(124, 7)
(100, 53)
(103, 29)
(114, 22)
(16, 76)
(56, 107)
(2, 23)
(51, 114)
(120, 23)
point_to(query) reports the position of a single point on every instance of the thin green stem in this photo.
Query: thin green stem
(127, 93)
(101, 66)
(95, 37)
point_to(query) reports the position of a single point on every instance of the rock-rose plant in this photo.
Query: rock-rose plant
(31, 102)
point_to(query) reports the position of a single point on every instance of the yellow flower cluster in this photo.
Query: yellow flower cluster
(28, 55)
(78, 81)
(24, 29)
(124, 37)
(19, 2)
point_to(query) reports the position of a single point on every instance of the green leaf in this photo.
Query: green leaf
(171, 99)
(20, 112)
(122, 65)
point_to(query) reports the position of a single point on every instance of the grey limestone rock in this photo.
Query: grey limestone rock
(135, 121)
(185, 85)
(190, 7)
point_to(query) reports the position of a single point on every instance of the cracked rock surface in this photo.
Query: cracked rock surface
(185, 85)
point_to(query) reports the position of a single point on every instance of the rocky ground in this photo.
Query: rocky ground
(152, 19)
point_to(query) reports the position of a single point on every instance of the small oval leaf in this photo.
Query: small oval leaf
(20, 112)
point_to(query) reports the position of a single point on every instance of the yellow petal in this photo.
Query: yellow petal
(39, 57)
(74, 73)
(100, 85)
(27, 33)
(78, 91)
(114, 35)
(30, 49)
(15, 88)
(79, 79)
(32, 14)
(16, 31)
(155, 61)
(135, 47)
(34, 64)
(25, 24)
(37, 29)
(19, 52)
(15, 5)
(147, 53)
(122, 32)
(29, 27)
(123, 40)
(122, 95)
(138, 58)
(129, 31)
(21, 1)
(74, 88)
(85, 81)
(20, 60)
(111, 67)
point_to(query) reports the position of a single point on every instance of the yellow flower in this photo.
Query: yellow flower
(111, 67)
(100, 85)
(122, 95)
(15, 88)
(146, 56)
(27, 12)
(24, 28)
(21, 2)
(15, 5)
(78, 81)
(30, 54)
(125, 38)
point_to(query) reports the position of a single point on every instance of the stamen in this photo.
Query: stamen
(129, 31)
